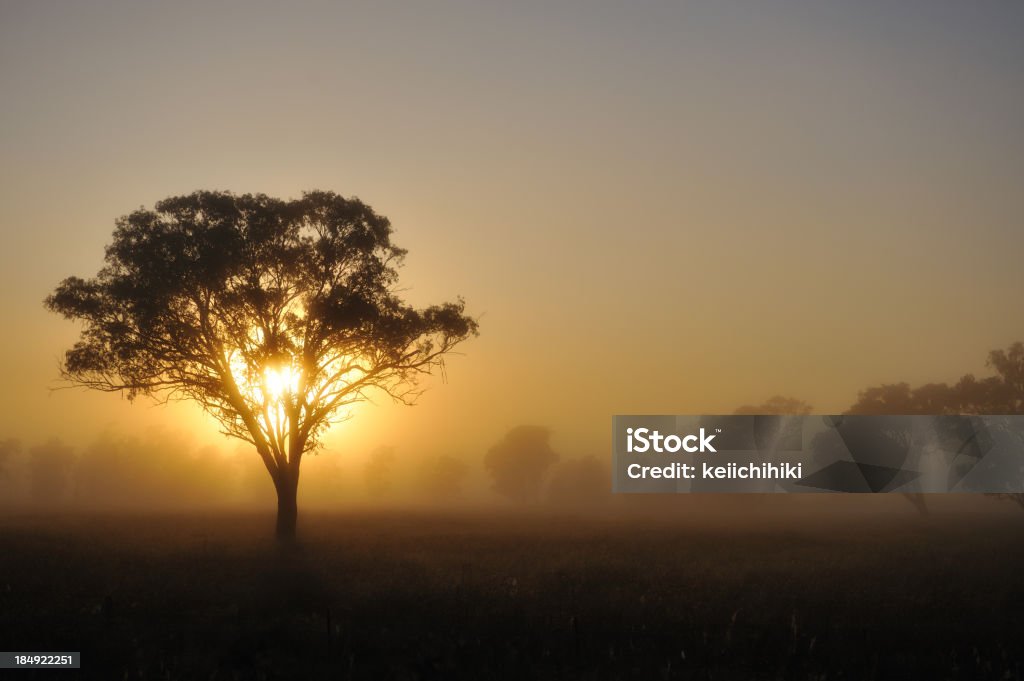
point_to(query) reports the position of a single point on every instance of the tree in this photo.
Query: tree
(519, 461)
(1005, 392)
(888, 398)
(273, 315)
(1009, 367)
(999, 394)
(990, 395)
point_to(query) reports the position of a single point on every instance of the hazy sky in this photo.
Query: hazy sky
(654, 207)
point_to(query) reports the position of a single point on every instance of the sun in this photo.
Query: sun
(280, 391)
(280, 384)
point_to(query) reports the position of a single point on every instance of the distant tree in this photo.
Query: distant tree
(889, 398)
(777, 404)
(274, 316)
(990, 395)
(1002, 393)
(932, 398)
(1009, 367)
(519, 462)
(50, 468)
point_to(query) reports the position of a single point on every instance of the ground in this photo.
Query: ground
(417, 595)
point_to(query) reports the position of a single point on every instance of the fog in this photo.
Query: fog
(641, 220)
(167, 469)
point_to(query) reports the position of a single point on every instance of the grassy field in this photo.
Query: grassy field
(420, 596)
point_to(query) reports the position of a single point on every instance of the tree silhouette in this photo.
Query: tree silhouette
(275, 316)
(1009, 384)
(888, 398)
(990, 395)
(519, 461)
(1002, 393)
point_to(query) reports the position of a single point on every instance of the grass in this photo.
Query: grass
(420, 596)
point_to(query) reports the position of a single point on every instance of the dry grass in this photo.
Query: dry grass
(393, 596)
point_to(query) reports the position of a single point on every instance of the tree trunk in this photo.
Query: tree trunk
(287, 508)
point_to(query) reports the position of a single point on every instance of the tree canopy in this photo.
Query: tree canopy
(1002, 393)
(519, 461)
(274, 315)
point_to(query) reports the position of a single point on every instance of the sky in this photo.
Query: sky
(652, 207)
